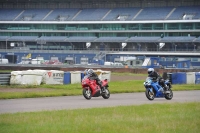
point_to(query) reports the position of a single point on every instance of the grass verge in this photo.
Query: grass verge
(159, 118)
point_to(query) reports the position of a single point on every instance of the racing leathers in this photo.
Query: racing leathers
(94, 76)
(158, 78)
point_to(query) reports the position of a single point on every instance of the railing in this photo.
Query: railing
(95, 51)
(49, 51)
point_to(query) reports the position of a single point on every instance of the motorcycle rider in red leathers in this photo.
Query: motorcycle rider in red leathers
(93, 76)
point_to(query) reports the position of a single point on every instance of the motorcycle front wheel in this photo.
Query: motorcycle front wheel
(87, 94)
(169, 95)
(149, 94)
(106, 95)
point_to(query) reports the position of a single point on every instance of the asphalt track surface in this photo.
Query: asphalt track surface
(76, 102)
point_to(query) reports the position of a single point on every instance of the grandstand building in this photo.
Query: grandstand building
(85, 31)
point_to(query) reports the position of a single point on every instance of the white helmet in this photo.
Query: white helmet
(90, 72)
(150, 71)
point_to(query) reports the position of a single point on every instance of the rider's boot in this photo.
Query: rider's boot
(102, 89)
(100, 85)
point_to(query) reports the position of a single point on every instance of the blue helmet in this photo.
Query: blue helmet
(150, 71)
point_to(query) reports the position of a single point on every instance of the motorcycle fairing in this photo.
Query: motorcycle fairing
(95, 89)
(154, 85)
(105, 83)
(150, 89)
(96, 93)
(158, 92)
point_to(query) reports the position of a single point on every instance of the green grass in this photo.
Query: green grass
(156, 118)
(5, 70)
(131, 74)
(75, 89)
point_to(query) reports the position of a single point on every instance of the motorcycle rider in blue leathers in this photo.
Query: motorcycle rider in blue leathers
(153, 74)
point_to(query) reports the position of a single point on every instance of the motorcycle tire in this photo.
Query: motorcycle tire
(87, 94)
(150, 95)
(106, 95)
(169, 96)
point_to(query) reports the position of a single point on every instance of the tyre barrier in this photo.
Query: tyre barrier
(38, 77)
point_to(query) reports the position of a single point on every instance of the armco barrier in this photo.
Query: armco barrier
(5, 78)
(197, 78)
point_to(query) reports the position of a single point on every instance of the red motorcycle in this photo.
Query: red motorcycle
(91, 89)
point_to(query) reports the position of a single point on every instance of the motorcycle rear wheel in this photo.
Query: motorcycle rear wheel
(106, 95)
(149, 94)
(87, 94)
(169, 96)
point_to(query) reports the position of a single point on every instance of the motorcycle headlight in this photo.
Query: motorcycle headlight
(147, 83)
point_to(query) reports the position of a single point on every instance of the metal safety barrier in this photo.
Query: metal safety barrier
(5, 78)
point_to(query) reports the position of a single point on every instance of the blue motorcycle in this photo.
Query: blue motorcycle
(154, 90)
